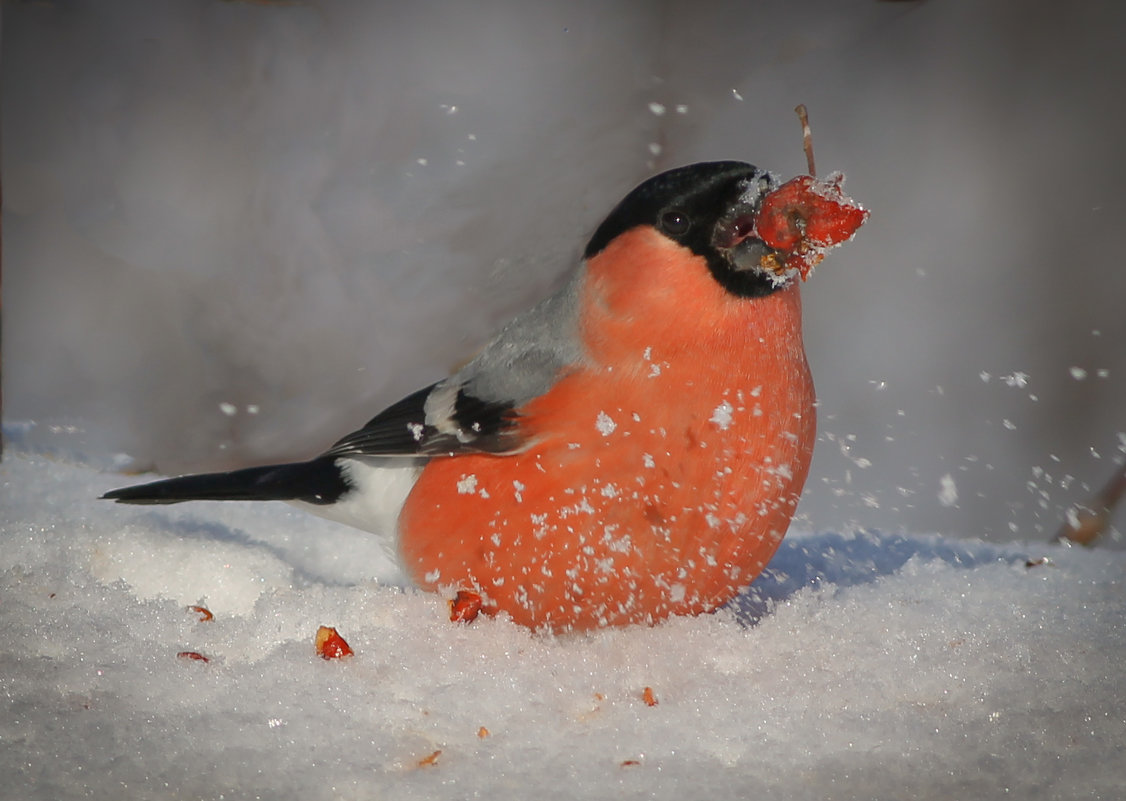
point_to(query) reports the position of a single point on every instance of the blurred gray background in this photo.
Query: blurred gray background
(234, 231)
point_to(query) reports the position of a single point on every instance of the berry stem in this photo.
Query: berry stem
(807, 138)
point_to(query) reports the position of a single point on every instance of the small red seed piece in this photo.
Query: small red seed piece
(330, 645)
(203, 612)
(428, 761)
(196, 655)
(465, 607)
(648, 697)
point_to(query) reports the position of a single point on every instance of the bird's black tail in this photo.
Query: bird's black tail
(319, 481)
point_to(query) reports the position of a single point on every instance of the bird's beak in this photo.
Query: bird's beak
(735, 235)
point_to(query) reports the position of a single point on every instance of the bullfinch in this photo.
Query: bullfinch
(630, 448)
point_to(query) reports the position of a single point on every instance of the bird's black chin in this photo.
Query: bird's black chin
(742, 271)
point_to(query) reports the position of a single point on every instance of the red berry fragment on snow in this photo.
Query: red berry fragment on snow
(196, 655)
(648, 697)
(802, 219)
(203, 612)
(330, 645)
(465, 607)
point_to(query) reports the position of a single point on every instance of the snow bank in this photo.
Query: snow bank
(864, 666)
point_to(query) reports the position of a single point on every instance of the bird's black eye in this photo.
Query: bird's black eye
(675, 222)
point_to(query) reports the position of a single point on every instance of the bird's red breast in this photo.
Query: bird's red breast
(662, 472)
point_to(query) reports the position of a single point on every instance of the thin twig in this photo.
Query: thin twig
(1085, 523)
(807, 138)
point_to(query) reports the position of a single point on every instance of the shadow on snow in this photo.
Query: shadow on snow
(803, 560)
(816, 560)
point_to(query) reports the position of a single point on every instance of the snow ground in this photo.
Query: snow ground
(861, 666)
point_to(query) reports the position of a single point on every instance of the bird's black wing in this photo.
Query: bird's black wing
(477, 409)
(467, 425)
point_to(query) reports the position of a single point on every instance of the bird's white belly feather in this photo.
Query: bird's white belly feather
(380, 488)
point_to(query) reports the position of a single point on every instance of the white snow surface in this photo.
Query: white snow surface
(859, 666)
